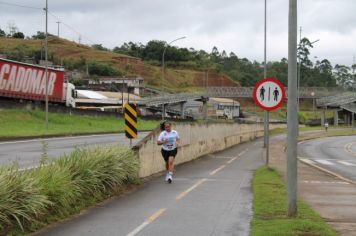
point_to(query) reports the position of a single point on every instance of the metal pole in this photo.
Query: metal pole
(46, 65)
(299, 64)
(58, 22)
(164, 51)
(264, 75)
(128, 92)
(266, 113)
(122, 96)
(292, 116)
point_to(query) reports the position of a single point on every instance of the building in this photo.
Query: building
(134, 85)
(217, 108)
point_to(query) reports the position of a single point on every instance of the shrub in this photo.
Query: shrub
(62, 187)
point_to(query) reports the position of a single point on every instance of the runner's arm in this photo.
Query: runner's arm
(160, 140)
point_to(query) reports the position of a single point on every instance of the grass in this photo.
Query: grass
(270, 209)
(57, 189)
(24, 123)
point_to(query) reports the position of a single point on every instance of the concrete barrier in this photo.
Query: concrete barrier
(196, 140)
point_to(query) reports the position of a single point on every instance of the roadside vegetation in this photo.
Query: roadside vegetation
(186, 67)
(27, 123)
(270, 210)
(33, 198)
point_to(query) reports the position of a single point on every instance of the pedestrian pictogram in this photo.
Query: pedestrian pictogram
(130, 120)
(269, 94)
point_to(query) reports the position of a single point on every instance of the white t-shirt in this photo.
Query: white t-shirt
(172, 137)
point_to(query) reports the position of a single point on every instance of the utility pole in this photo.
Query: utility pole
(58, 22)
(266, 113)
(46, 64)
(292, 116)
(299, 63)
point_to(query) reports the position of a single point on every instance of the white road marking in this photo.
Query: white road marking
(218, 169)
(60, 138)
(346, 163)
(348, 148)
(183, 194)
(324, 182)
(222, 157)
(243, 152)
(147, 222)
(308, 161)
(325, 162)
(233, 159)
(28, 168)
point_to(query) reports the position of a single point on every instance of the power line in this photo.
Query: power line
(70, 27)
(59, 20)
(18, 5)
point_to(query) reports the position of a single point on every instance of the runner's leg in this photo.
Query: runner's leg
(171, 164)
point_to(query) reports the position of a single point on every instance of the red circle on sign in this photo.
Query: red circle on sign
(259, 83)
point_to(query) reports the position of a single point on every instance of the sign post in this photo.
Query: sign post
(269, 94)
(130, 121)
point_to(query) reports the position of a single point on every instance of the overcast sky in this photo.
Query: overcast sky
(231, 25)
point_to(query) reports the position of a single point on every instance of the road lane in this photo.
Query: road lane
(208, 196)
(28, 152)
(336, 154)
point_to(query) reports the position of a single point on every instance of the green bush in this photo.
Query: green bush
(59, 188)
(101, 69)
(302, 118)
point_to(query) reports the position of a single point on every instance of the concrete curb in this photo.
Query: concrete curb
(321, 168)
(328, 172)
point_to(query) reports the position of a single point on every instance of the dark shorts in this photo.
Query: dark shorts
(167, 154)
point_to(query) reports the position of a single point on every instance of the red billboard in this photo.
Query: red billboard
(21, 80)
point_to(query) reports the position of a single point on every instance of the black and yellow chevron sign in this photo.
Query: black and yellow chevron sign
(130, 120)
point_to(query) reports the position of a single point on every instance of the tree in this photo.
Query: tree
(2, 33)
(18, 35)
(304, 51)
(39, 35)
(99, 47)
(324, 74)
(343, 76)
(153, 50)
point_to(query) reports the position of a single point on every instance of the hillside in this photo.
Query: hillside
(69, 54)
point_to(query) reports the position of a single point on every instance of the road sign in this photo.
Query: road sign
(269, 94)
(130, 120)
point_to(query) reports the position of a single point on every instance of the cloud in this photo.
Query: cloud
(230, 25)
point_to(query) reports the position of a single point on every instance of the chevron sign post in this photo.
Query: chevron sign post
(130, 121)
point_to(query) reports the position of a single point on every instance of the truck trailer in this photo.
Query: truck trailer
(26, 81)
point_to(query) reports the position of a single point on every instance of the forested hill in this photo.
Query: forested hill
(103, 62)
(186, 69)
(242, 70)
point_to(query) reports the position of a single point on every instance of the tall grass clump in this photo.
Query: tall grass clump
(21, 199)
(59, 188)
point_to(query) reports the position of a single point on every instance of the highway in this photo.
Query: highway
(208, 196)
(336, 154)
(27, 153)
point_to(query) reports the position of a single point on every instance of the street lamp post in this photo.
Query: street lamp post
(164, 51)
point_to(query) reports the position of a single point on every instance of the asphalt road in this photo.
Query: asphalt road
(337, 154)
(27, 153)
(208, 196)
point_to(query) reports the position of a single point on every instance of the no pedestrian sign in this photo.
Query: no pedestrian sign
(269, 94)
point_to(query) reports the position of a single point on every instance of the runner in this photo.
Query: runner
(169, 139)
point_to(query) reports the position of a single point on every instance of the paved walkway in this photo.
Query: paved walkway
(333, 198)
(209, 196)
